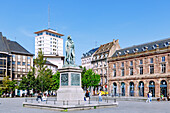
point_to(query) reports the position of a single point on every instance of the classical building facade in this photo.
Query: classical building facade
(99, 61)
(51, 44)
(15, 60)
(87, 58)
(136, 70)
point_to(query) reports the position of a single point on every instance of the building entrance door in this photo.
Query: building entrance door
(114, 89)
(123, 88)
(131, 89)
(152, 88)
(163, 88)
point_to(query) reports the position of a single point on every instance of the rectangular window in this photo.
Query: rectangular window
(23, 57)
(114, 65)
(23, 63)
(131, 71)
(122, 64)
(114, 73)
(13, 56)
(18, 63)
(123, 72)
(28, 64)
(151, 69)
(13, 62)
(151, 60)
(163, 59)
(28, 57)
(23, 70)
(163, 66)
(141, 61)
(19, 69)
(131, 63)
(19, 57)
(141, 70)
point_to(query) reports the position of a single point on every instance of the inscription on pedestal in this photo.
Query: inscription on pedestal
(64, 79)
(75, 79)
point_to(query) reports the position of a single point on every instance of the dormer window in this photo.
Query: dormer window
(135, 50)
(155, 46)
(105, 55)
(118, 53)
(145, 48)
(166, 44)
(101, 55)
(126, 52)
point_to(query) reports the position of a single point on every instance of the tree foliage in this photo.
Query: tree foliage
(89, 78)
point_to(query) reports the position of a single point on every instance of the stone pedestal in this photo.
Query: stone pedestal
(70, 85)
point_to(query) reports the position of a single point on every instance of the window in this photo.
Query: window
(123, 72)
(23, 57)
(19, 56)
(151, 60)
(141, 61)
(19, 63)
(18, 76)
(163, 66)
(23, 70)
(114, 73)
(28, 64)
(141, 70)
(50, 38)
(131, 71)
(19, 69)
(28, 57)
(151, 69)
(131, 63)
(23, 63)
(122, 64)
(13, 62)
(163, 59)
(13, 56)
(114, 65)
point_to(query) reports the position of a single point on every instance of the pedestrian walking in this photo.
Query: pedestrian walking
(150, 96)
(148, 99)
(100, 96)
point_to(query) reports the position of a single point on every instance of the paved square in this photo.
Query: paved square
(14, 105)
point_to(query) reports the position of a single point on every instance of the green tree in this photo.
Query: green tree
(55, 81)
(89, 78)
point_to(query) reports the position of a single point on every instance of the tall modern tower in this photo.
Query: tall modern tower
(51, 44)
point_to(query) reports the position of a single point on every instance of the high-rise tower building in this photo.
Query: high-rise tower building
(51, 44)
(49, 41)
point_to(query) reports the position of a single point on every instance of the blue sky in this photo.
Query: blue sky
(133, 22)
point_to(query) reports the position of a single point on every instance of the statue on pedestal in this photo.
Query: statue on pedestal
(70, 52)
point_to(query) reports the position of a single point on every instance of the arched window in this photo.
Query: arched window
(152, 88)
(123, 89)
(141, 89)
(131, 89)
(163, 88)
(114, 89)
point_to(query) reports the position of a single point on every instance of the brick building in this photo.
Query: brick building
(136, 70)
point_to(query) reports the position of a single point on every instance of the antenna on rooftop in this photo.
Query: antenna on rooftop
(48, 16)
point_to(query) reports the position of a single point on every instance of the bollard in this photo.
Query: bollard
(31, 100)
(78, 102)
(89, 100)
(107, 100)
(114, 100)
(46, 101)
(54, 102)
(63, 102)
(25, 100)
(67, 102)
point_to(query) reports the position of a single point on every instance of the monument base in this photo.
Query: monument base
(70, 85)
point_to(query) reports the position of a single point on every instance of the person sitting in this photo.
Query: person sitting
(39, 97)
(162, 97)
(87, 95)
(44, 98)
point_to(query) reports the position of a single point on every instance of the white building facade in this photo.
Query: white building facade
(51, 44)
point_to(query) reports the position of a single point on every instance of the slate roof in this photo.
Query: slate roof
(89, 53)
(143, 47)
(49, 63)
(3, 45)
(104, 48)
(11, 46)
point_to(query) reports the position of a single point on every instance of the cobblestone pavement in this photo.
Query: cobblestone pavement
(14, 105)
